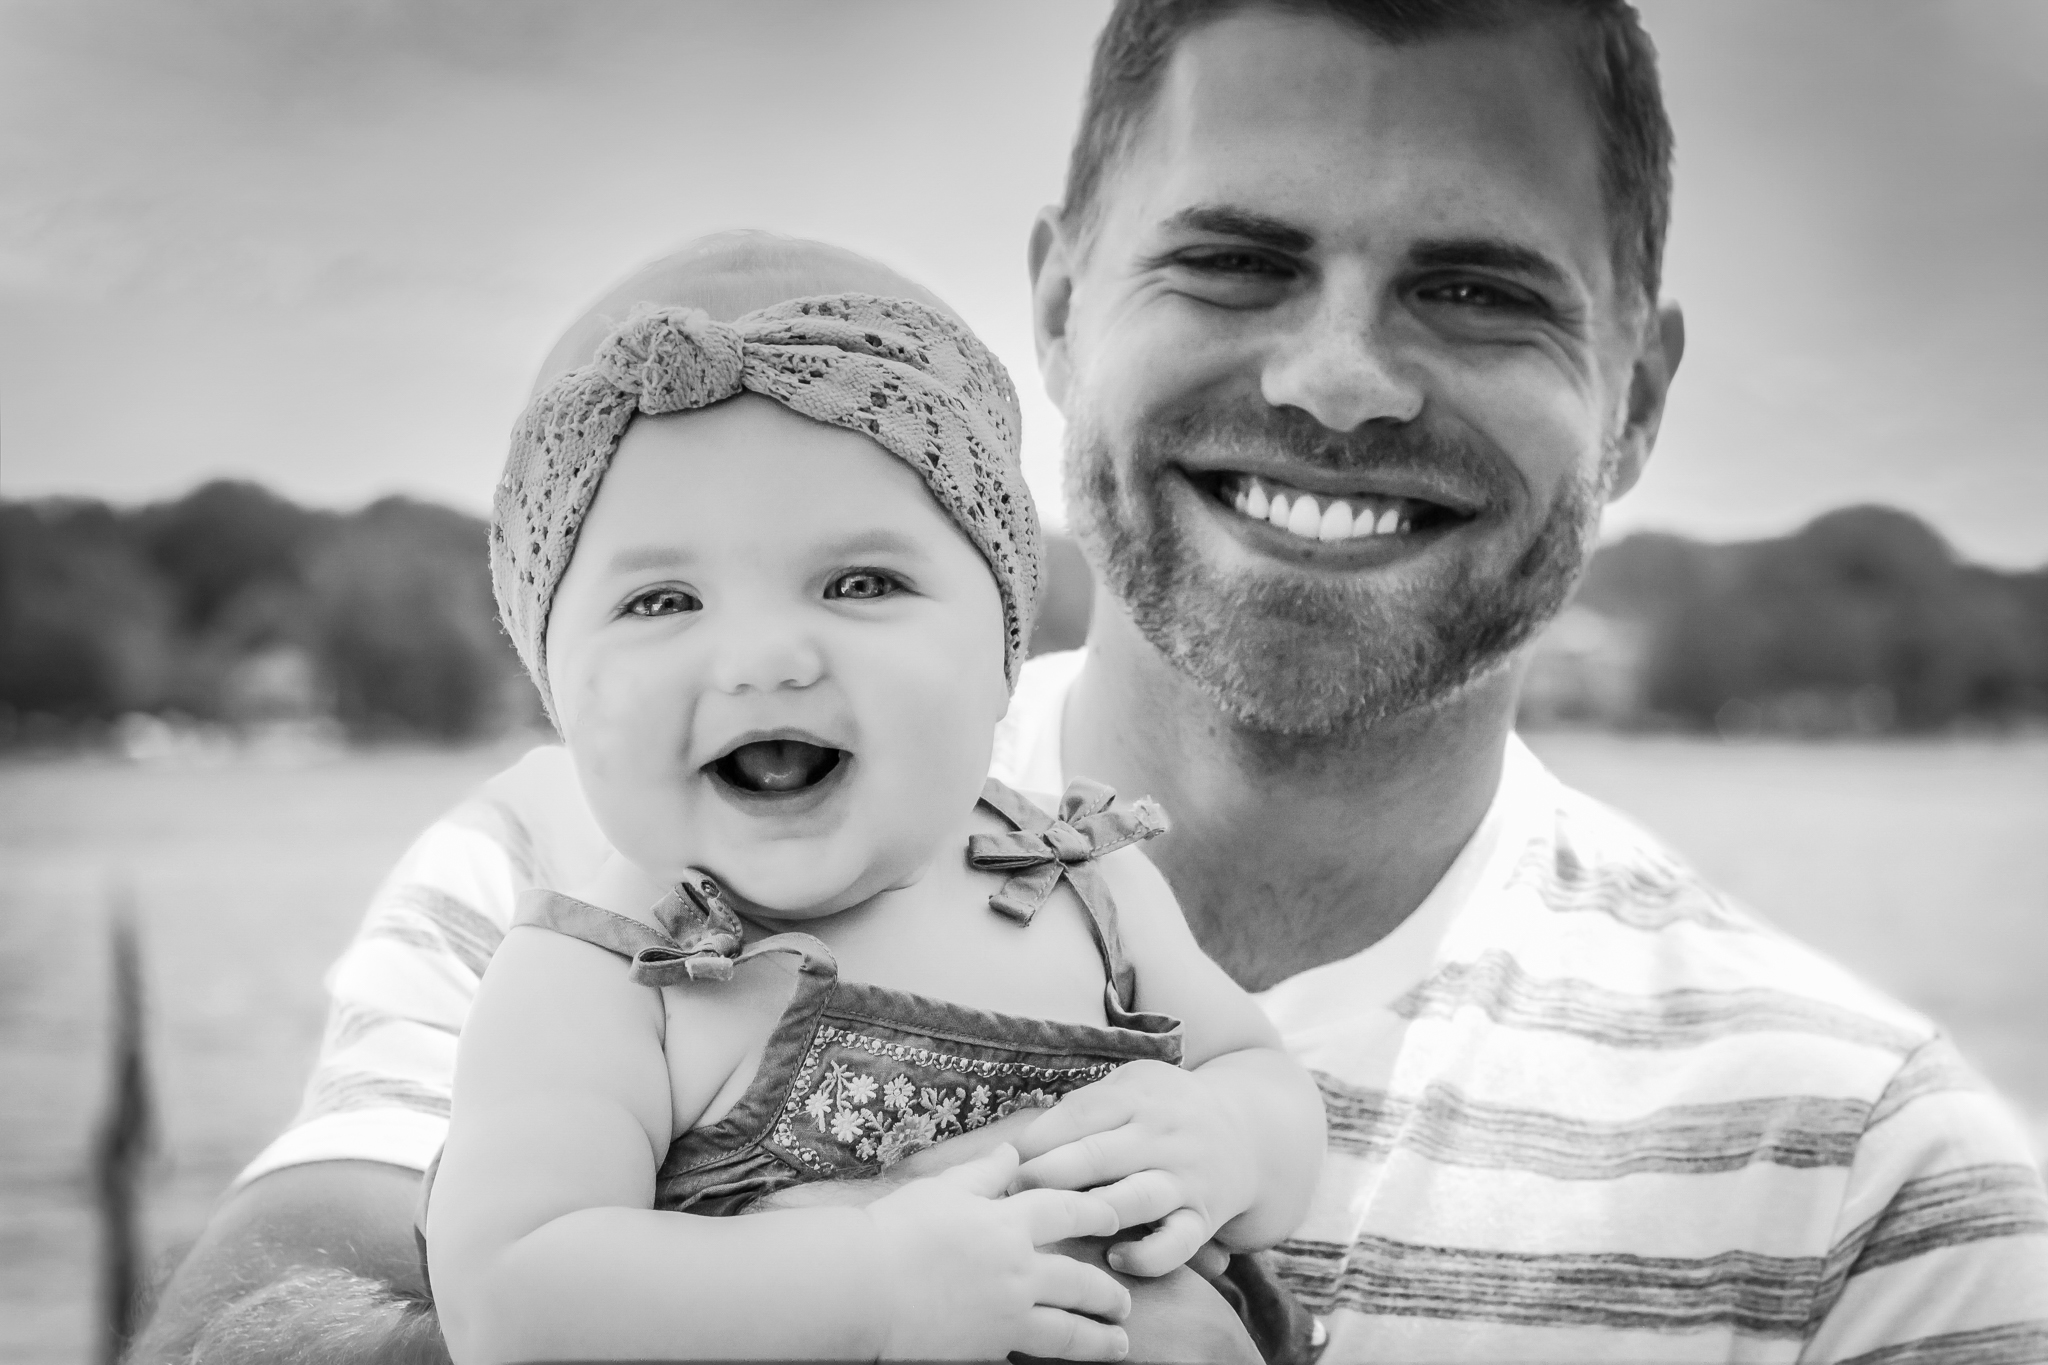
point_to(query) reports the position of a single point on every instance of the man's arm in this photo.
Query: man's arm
(313, 1259)
(1941, 1249)
(312, 1263)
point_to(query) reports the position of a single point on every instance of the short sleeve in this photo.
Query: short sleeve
(400, 991)
(1941, 1249)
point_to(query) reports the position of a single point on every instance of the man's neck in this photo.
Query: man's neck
(1285, 853)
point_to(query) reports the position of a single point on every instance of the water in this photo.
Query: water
(1916, 864)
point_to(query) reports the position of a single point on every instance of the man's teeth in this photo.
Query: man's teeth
(1304, 515)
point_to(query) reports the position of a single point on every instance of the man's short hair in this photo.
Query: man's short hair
(1615, 55)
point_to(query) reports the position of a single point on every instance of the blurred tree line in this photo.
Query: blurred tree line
(1863, 621)
(233, 605)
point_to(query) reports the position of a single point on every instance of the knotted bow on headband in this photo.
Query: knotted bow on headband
(1087, 827)
(908, 377)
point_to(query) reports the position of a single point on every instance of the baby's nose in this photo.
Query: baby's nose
(763, 656)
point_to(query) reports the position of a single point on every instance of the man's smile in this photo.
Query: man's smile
(1366, 519)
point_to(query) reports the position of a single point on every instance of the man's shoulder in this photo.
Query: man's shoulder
(1639, 936)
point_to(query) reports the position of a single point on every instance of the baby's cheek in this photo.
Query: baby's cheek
(626, 744)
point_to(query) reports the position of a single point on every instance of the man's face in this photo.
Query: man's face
(1346, 370)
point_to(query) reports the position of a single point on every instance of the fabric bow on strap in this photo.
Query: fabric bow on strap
(704, 935)
(1087, 827)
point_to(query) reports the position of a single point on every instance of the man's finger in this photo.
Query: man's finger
(1093, 1108)
(1056, 1334)
(1090, 1160)
(987, 1175)
(1063, 1282)
(1055, 1215)
(1177, 1238)
(1209, 1261)
(1142, 1197)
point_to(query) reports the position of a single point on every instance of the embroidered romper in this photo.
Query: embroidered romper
(855, 1076)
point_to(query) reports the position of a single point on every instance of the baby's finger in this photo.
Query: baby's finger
(987, 1175)
(1091, 1160)
(1091, 1109)
(1055, 1334)
(1177, 1238)
(1079, 1287)
(1143, 1197)
(1055, 1215)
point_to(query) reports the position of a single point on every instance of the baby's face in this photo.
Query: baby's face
(774, 657)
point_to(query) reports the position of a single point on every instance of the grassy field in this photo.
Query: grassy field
(1917, 864)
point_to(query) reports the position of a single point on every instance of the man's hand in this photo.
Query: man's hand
(1160, 1146)
(971, 1282)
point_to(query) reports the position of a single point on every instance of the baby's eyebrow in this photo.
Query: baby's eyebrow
(874, 540)
(637, 558)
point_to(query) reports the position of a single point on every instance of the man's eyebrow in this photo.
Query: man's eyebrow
(1490, 253)
(1225, 221)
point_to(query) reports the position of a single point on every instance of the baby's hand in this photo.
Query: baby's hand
(1153, 1141)
(971, 1281)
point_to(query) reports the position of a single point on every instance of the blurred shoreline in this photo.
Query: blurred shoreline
(232, 618)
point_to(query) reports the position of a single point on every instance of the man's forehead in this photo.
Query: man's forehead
(1312, 119)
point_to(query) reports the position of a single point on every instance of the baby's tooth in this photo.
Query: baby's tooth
(1389, 520)
(1336, 524)
(1256, 504)
(1362, 522)
(1304, 517)
(1277, 511)
(1241, 498)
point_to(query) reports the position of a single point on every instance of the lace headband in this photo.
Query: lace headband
(908, 377)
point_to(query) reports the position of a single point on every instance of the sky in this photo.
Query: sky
(324, 245)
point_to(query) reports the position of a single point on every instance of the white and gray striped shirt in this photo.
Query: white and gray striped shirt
(1581, 1107)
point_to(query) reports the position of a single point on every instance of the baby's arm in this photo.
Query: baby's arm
(1228, 1147)
(544, 1243)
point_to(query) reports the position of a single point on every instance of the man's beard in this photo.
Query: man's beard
(1305, 654)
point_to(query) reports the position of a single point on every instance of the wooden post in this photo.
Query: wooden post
(122, 1144)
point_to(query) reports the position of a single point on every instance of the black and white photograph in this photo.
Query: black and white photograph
(1272, 682)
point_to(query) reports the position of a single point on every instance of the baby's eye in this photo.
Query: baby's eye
(662, 602)
(861, 585)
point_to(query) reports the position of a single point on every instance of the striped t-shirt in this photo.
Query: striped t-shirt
(1581, 1108)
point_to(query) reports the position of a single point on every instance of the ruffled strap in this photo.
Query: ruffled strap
(700, 937)
(1044, 850)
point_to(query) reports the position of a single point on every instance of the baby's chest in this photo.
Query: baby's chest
(1050, 968)
(884, 1027)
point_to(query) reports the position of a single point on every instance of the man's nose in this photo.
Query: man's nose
(764, 652)
(1341, 367)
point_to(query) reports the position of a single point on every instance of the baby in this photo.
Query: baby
(773, 578)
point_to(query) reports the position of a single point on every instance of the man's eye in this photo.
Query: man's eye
(663, 602)
(1473, 294)
(1233, 262)
(861, 585)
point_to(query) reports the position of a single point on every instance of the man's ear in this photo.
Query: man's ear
(1649, 383)
(1052, 291)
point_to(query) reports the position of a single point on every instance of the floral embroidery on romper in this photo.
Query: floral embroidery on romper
(877, 1115)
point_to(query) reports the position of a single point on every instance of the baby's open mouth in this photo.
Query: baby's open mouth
(776, 767)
